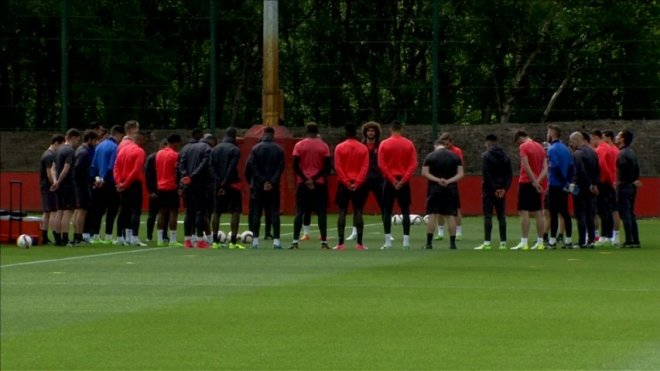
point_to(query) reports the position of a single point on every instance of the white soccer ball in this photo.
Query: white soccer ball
(229, 237)
(222, 237)
(415, 219)
(426, 219)
(24, 241)
(397, 219)
(246, 236)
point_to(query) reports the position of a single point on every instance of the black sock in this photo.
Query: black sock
(58, 238)
(65, 238)
(44, 237)
(359, 238)
(545, 237)
(429, 239)
(452, 242)
(341, 239)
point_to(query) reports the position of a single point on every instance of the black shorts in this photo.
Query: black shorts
(230, 202)
(402, 197)
(443, 201)
(66, 198)
(48, 201)
(458, 198)
(83, 196)
(358, 197)
(312, 199)
(528, 198)
(168, 199)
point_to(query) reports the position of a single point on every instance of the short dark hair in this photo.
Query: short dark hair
(89, 135)
(491, 138)
(350, 129)
(597, 133)
(627, 136)
(57, 138)
(269, 130)
(395, 125)
(173, 138)
(210, 139)
(72, 133)
(311, 128)
(197, 134)
(446, 137)
(117, 129)
(520, 134)
(586, 136)
(95, 125)
(609, 134)
(231, 132)
(556, 129)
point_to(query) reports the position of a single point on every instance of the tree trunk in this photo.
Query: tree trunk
(516, 87)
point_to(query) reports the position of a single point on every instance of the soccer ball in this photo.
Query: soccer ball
(415, 219)
(246, 236)
(24, 241)
(229, 237)
(426, 219)
(397, 219)
(222, 237)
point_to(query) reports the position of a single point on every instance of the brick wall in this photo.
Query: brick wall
(20, 151)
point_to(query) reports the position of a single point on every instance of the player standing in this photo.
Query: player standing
(606, 195)
(443, 168)
(151, 180)
(311, 163)
(448, 143)
(496, 179)
(351, 166)
(609, 138)
(533, 168)
(397, 160)
(587, 174)
(167, 188)
(82, 179)
(105, 199)
(627, 183)
(265, 166)
(48, 198)
(194, 173)
(223, 163)
(62, 172)
(129, 176)
(560, 175)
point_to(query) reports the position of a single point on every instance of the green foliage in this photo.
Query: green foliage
(500, 61)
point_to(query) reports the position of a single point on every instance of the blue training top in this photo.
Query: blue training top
(104, 159)
(560, 164)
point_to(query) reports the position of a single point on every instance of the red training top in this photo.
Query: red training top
(397, 157)
(458, 152)
(351, 162)
(166, 169)
(604, 152)
(129, 164)
(612, 161)
(312, 153)
(123, 142)
(535, 156)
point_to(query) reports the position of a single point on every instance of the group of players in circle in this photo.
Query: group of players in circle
(86, 176)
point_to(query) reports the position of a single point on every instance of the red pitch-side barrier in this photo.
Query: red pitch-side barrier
(648, 198)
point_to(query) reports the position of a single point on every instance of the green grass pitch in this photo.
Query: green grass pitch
(114, 308)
